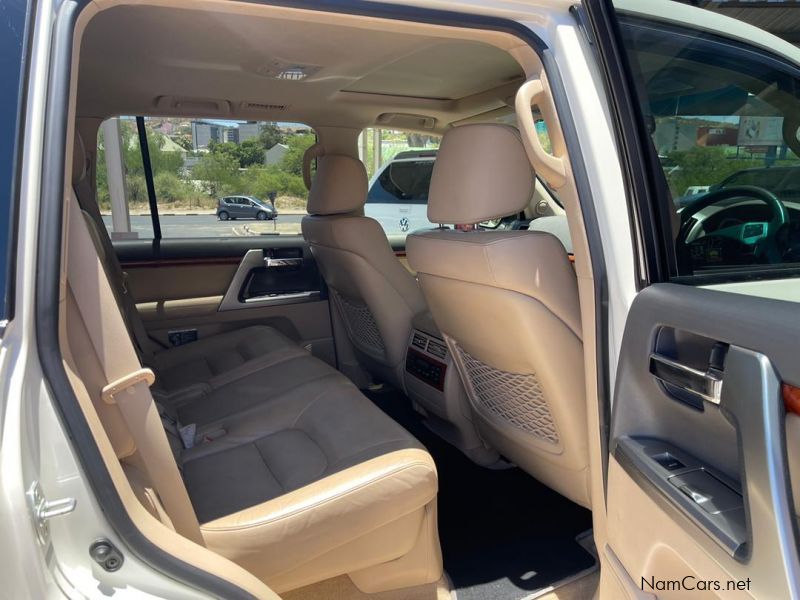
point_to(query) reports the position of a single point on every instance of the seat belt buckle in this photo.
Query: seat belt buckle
(109, 392)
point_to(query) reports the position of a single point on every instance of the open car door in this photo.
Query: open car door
(704, 448)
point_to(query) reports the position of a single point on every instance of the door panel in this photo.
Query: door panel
(215, 285)
(695, 487)
(163, 280)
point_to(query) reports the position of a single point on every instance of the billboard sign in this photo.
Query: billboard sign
(760, 131)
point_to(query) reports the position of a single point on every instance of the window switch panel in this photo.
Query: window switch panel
(669, 462)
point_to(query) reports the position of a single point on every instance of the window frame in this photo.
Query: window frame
(10, 173)
(241, 201)
(48, 260)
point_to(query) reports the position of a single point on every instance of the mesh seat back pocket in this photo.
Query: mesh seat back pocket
(361, 324)
(515, 398)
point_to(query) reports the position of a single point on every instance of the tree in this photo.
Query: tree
(219, 172)
(270, 135)
(184, 140)
(293, 159)
(703, 166)
(251, 152)
(247, 154)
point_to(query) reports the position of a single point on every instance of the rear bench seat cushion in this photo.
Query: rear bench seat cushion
(314, 484)
(287, 373)
(221, 358)
(318, 429)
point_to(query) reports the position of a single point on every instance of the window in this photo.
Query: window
(400, 175)
(211, 178)
(12, 64)
(723, 121)
(403, 182)
(401, 179)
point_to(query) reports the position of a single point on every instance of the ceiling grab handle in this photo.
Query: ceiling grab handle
(551, 168)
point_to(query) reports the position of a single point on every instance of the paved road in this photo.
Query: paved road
(208, 226)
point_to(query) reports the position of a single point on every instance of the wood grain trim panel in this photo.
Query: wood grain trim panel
(181, 262)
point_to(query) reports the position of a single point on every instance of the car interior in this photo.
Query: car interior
(350, 418)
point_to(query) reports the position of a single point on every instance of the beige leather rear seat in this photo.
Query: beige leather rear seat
(295, 475)
(222, 358)
(313, 485)
(293, 373)
(183, 371)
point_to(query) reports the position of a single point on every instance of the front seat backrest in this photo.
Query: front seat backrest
(507, 304)
(375, 296)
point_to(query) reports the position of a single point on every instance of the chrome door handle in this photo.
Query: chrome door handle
(276, 263)
(705, 384)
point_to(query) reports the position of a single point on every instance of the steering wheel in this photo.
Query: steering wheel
(758, 239)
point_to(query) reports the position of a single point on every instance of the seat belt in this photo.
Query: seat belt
(127, 382)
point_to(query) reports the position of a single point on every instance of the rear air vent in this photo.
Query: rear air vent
(419, 341)
(437, 349)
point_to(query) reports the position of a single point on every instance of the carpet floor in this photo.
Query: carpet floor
(504, 535)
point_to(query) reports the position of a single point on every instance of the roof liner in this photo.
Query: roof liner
(224, 64)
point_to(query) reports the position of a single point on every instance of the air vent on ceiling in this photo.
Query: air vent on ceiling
(264, 106)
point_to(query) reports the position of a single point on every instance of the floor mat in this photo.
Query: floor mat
(504, 535)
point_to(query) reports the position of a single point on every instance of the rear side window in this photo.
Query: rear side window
(403, 182)
(13, 29)
(399, 165)
(723, 119)
(211, 178)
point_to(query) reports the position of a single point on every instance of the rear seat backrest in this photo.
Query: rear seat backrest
(102, 359)
(375, 295)
(97, 229)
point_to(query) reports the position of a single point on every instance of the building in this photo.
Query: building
(275, 155)
(203, 133)
(230, 134)
(249, 130)
(717, 136)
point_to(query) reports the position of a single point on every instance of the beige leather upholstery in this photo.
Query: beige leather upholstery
(313, 484)
(374, 294)
(502, 186)
(507, 304)
(193, 369)
(292, 473)
(339, 186)
(222, 358)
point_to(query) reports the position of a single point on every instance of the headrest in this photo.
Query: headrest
(339, 187)
(481, 172)
(79, 160)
